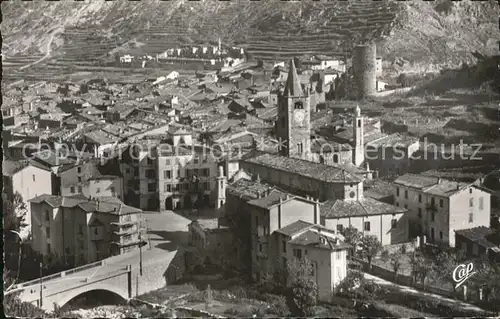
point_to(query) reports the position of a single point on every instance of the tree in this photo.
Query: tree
(403, 80)
(304, 290)
(352, 237)
(15, 211)
(421, 268)
(370, 247)
(395, 260)
(353, 280)
(14, 307)
(446, 261)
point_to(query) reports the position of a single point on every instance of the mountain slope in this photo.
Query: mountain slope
(420, 33)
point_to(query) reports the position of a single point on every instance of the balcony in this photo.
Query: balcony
(431, 208)
(125, 223)
(123, 244)
(123, 232)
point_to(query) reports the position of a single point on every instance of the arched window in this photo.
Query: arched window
(321, 159)
(359, 123)
(335, 158)
(299, 106)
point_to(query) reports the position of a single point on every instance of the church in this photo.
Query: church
(293, 129)
(324, 177)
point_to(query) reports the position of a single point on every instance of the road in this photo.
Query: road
(48, 49)
(463, 305)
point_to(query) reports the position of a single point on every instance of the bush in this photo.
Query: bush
(385, 254)
(14, 307)
(278, 307)
(350, 283)
(304, 293)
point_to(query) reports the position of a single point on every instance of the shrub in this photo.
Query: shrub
(304, 293)
(352, 281)
(279, 306)
(385, 254)
(14, 307)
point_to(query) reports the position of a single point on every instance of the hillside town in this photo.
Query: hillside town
(261, 166)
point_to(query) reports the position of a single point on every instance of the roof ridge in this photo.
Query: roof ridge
(362, 206)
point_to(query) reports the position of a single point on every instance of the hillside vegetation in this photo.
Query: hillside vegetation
(412, 35)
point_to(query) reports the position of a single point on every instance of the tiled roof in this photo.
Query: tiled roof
(383, 188)
(209, 223)
(294, 228)
(431, 185)
(479, 235)
(270, 113)
(394, 140)
(102, 204)
(51, 158)
(313, 239)
(327, 173)
(9, 168)
(272, 198)
(362, 207)
(416, 181)
(101, 137)
(247, 189)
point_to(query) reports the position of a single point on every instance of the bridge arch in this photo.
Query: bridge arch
(63, 299)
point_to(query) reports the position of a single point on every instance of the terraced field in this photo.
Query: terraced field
(276, 35)
(344, 23)
(85, 44)
(268, 29)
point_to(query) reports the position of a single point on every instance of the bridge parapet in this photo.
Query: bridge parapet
(59, 274)
(59, 292)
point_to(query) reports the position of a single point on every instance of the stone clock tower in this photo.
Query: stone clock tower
(293, 128)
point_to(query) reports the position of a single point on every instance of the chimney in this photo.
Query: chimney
(439, 180)
(258, 195)
(458, 186)
(322, 239)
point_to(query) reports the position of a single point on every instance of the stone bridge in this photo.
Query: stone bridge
(120, 275)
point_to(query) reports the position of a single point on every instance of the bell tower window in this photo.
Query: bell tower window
(299, 106)
(359, 123)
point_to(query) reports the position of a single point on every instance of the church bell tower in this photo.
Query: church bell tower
(358, 156)
(293, 128)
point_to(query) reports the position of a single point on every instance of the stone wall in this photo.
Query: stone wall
(364, 67)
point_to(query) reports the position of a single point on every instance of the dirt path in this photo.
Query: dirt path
(48, 49)
(464, 305)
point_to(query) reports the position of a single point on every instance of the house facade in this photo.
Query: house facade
(322, 248)
(212, 243)
(28, 178)
(388, 223)
(168, 175)
(438, 207)
(77, 231)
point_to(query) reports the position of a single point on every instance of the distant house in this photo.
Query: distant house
(482, 242)
(212, 243)
(52, 120)
(126, 59)
(381, 85)
(173, 75)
